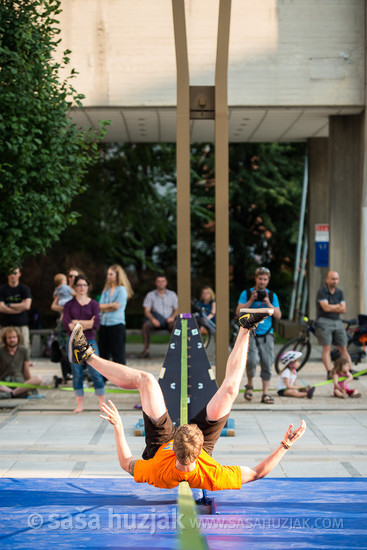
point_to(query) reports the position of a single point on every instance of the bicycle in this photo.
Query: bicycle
(206, 325)
(303, 344)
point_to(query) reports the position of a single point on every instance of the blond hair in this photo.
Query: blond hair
(188, 443)
(121, 280)
(60, 279)
(211, 292)
(11, 329)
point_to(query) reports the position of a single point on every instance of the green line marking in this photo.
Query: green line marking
(190, 537)
(183, 411)
(34, 386)
(340, 379)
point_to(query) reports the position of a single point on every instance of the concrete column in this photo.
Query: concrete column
(318, 211)
(346, 168)
(183, 159)
(221, 191)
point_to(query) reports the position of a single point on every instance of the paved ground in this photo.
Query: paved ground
(43, 438)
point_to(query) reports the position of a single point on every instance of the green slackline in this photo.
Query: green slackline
(37, 387)
(183, 406)
(340, 379)
(190, 536)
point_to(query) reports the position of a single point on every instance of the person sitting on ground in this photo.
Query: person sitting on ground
(14, 364)
(287, 379)
(180, 454)
(160, 311)
(341, 388)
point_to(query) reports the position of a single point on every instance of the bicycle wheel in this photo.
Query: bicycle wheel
(205, 336)
(297, 344)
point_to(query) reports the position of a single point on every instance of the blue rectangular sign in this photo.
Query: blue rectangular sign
(322, 254)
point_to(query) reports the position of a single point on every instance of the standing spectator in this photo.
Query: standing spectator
(14, 364)
(62, 336)
(261, 347)
(15, 301)
(85, 311)
(160, 310)
(112, 305)
(330, 303)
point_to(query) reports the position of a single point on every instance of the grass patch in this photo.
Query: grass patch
(155, 339)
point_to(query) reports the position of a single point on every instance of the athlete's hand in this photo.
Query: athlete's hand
(112, 414)
(292, 435)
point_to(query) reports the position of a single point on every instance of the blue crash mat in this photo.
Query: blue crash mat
(121, 514)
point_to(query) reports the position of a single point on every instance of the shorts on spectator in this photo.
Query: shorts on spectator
(331, 332)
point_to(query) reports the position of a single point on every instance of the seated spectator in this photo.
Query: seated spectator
(112, 305)
(287, 379)
(14, 364)
(342, 389)
(85, 311)
(207, 302)
(160, 310)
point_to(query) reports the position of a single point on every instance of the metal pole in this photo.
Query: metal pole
(300, 237)
(302, 273)
(305, 296)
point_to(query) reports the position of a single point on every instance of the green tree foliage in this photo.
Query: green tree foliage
(43, 157)
(265, 185)
(129, 212)
(265, 192)
(128, 215)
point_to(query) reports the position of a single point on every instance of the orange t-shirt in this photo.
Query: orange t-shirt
(161, 471)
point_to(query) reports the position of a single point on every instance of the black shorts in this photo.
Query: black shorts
(281, 392)
(156, 434)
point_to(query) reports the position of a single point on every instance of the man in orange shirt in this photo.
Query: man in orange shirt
(180, 454)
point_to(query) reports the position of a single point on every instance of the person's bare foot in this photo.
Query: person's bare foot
(79, 409)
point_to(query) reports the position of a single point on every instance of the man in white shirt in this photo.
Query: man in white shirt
(160, 311)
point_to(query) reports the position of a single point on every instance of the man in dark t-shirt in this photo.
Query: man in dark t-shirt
(330, 303)
(15, 301)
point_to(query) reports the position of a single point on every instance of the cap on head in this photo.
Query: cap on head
(290, 357)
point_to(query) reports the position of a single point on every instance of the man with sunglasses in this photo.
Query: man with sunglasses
(261, 346)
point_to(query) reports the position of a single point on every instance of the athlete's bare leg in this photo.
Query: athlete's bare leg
(221, 403)
(151, 395)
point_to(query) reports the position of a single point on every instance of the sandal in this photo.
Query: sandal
(266, 398)
(248, 393)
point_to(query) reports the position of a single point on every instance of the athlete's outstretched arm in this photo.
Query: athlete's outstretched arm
(269, 463)
(123, 450)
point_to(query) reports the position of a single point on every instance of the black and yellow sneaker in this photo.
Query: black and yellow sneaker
(79, 349)
(250, 317)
